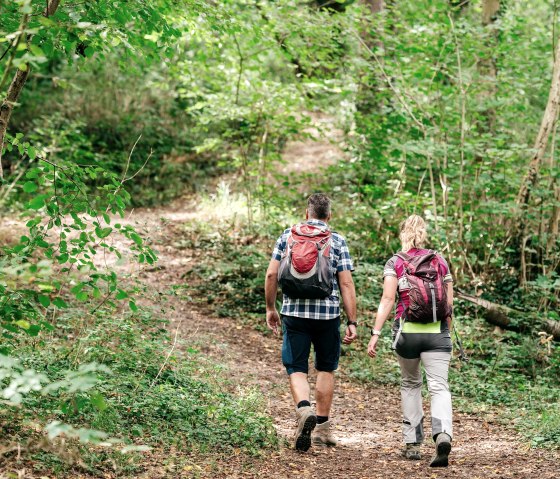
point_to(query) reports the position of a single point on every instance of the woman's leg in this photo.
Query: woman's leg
(411, 395)
(436, 364)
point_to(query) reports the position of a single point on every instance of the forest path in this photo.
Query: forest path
(367, 417)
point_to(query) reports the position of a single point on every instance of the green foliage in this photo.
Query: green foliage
(141, 396)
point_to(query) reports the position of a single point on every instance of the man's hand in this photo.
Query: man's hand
(371, 349)
(350, 335)
(273, 320)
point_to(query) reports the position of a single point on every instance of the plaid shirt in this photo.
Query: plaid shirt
(328, 308)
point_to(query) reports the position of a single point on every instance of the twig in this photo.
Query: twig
(168, 354)
(142, 167)
(390, 83)
(463, 123)
(241, 60)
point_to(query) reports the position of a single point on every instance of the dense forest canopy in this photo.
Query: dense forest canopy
(448, 109)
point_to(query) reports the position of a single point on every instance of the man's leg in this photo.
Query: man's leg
(300, 387)
(324, 390)
(295, 357)
(326, 341)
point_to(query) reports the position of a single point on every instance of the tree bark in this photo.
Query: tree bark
(554, 220)
(8, 105)
(547, 126)
(488, 67)
(490, 11)
(16, 86)
(500, 315)
(376, 6)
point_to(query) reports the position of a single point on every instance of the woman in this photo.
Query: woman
(419, 340)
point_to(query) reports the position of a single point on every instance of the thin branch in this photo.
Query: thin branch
(390, 83)
(241, 60)
(463, 127)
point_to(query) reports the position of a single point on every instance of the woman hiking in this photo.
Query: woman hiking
(421, 335)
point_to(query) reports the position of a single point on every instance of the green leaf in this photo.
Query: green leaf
(23, 324)
(59, 303)
(30, 187)
(136, 238)
(82, 296)
(122, 294)
(103, 232)
(44, 300)
(37, 203)
(98, 401)
(32, 153)
(132, 306)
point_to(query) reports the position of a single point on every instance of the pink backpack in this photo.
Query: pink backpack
(428, 293)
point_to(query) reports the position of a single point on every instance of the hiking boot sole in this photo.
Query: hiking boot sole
(442, 455)
(412, 456)
(303, 441)
(319, 442)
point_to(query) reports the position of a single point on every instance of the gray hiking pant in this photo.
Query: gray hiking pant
(436, 365)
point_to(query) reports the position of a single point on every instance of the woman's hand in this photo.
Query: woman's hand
(371, 349)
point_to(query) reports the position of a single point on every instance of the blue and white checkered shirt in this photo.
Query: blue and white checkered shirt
(328, 308)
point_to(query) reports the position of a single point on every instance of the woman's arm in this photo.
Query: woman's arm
(384, 310)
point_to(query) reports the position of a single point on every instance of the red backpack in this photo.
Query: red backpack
(305, 267)
(428, 293)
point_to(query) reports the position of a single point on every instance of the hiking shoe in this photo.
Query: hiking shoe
(323, 435)
(412, 451)
(443, 448)
(306, 421)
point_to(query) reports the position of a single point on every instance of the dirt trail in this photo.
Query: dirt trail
(367, 417)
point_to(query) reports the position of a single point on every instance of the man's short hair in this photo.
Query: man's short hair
(319, 206)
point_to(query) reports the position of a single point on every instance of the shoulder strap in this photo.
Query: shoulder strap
(402, 255)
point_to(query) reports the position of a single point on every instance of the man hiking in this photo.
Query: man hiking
(313, 266)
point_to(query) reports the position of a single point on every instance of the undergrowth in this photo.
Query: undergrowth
(183, 403)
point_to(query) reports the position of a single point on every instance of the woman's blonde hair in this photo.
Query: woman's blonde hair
(413, 233)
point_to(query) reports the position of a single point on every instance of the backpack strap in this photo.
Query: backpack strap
(402, 255)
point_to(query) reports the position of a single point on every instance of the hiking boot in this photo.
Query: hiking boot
(306, 421)
(323, 435)
(443, 448)
(412, 451)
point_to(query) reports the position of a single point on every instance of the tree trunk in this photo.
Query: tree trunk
(488, 67)
(490, 11)
(547, 125)
(500, 315)
(554, 220)
(16, 86)
(8, 105)
(376, 6)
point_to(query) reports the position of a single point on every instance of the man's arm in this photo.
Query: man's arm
(348, 291)
(270, 290)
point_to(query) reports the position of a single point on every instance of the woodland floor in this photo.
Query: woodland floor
(367, 418)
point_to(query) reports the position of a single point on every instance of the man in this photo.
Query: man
(313, 321)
